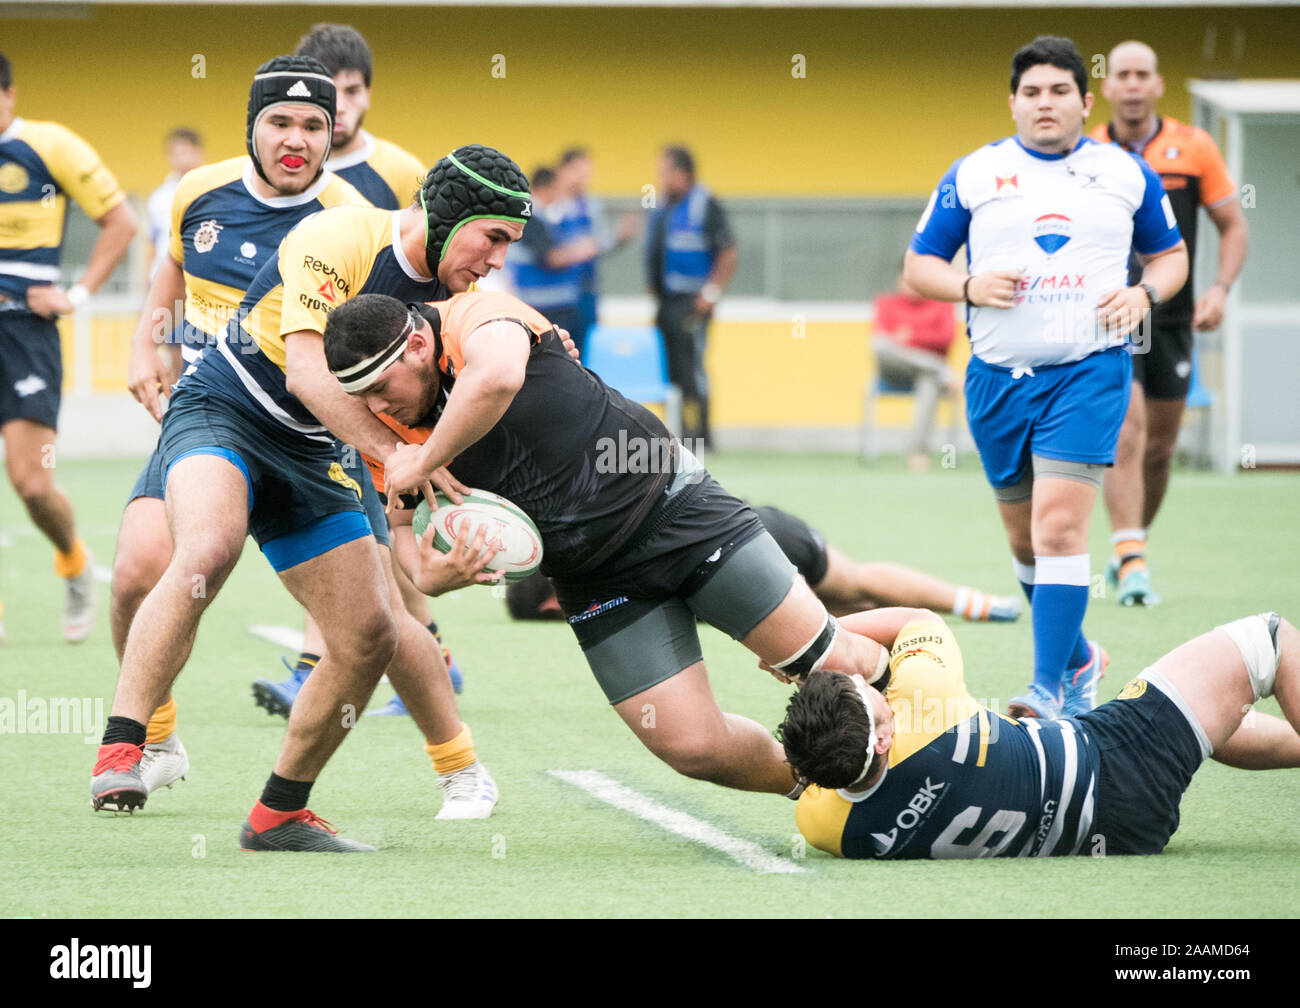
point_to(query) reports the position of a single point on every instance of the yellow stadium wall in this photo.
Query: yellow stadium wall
(890, 99)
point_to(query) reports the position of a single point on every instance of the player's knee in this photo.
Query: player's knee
(694, 758)
(210, 560)
(368, 639)
(136, 570)
(1160, 451)
(32, 486)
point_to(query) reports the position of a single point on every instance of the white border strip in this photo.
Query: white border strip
(612, 792)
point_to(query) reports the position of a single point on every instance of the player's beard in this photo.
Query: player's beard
(345, 142)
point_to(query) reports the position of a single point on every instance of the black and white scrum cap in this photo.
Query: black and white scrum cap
(288, 80)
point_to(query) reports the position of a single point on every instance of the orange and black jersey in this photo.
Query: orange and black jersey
(587, 465)
(1194, 175)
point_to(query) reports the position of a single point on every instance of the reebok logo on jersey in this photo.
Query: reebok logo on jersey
(29, 386)
(326, 290)
(299, 90)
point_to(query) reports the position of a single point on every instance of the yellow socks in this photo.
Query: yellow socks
(70, 565)
(162, 723)
(456, 754)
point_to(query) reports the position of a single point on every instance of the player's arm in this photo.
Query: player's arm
(1230, 220)
(308, 377)
(496, 357)
(436, 573)
(116, 229)
(1120, 311)
(884, 625)
(147, 376)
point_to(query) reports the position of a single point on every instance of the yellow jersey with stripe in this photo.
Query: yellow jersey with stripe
(42, 165)
(327, 259)
(388, 176)
(223, 233)
(962, 781)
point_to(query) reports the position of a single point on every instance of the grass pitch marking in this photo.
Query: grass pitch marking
(286, 637)
(611, 791)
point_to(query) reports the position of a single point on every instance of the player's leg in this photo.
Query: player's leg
(330, 566)
(850, 587)
(144, 549)
(1221, 674)
(1124, 489)
(29, 459)
(1164, 419)
(419, 675)
(207, 508)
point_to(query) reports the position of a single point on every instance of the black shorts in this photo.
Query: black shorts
(799, 541)
(1162, 360)
(150, 481)
(1148, 753)
(31, 369)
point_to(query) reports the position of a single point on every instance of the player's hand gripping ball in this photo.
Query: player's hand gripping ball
(521, 552)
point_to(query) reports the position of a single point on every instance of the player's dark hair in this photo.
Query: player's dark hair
(339, 47)
(6, 73)
(825, 731)
(362, 327)
(524, 598)
(573, 154)
(542, 177)
(1051, 50)
(185, 135)
(681, 159)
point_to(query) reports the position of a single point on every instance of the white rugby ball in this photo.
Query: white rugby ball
(522, 553)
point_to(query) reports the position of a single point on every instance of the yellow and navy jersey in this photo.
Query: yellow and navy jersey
(42, 165)
(382, 172)
(330, 257)
(223, 232)
(962, 781)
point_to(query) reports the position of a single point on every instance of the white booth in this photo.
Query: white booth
(1257, 353)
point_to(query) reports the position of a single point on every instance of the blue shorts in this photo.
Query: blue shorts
(1068, 412)
(301, 501)
(150, 481)
(31, 368)
(1148, 752)
(354, 464)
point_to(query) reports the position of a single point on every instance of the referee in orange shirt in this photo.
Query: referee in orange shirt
(1194, 175)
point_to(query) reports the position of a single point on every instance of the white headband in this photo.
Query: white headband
(360, 376)
(872, 738)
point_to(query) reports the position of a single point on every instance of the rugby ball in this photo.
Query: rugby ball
(522, 554)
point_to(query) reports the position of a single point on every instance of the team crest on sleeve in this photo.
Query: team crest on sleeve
(1051, 232)
(205, 238)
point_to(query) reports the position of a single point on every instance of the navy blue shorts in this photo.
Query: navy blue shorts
(354, 464)
(1148, 752)
(31, 369)
(301, 501)
(150, 481)
(1069, 412)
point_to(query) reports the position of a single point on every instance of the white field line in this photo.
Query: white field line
(286, 637)
(611, 791)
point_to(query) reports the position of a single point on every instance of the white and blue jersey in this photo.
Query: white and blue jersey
(1067, 221)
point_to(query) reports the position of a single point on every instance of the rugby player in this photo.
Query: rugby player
(227, 220)
(246, 447)
(910, 765)
(1194, 175)
(389, 177)
(1048, 217)
(481, 383)
(844, 585)
(42, 165)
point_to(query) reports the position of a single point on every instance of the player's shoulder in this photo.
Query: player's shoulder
(343, 225)
(1189, 137)
(392, 154)
(339, 192)
(52, 140)
(205, 178)
(399, 168)
(820, 814)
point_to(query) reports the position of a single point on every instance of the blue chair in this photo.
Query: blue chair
(632, 359)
